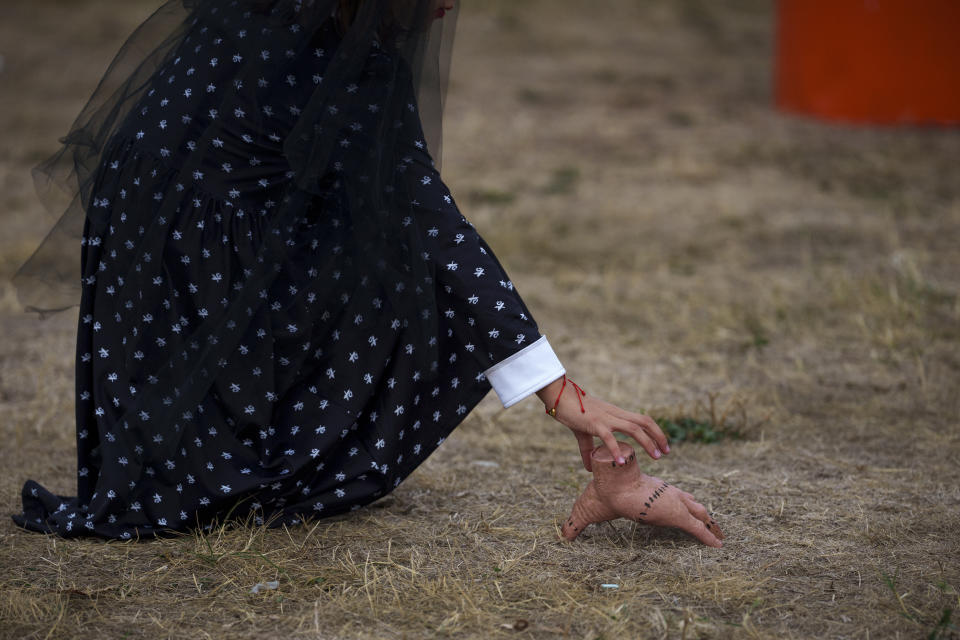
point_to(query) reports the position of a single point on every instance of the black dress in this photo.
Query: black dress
(319, 409)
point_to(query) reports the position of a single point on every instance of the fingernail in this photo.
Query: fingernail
(656, 453)
(621, 460)
(666, 448)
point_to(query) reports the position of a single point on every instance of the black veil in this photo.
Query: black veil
(393, 50)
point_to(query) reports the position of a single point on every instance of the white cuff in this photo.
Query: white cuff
(532, 368)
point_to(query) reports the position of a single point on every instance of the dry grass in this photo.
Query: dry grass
(677, 240)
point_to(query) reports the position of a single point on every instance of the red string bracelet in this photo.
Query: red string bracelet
(553, 411)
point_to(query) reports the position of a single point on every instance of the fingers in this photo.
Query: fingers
(569, 531)
(699, 530)
(611, 443)
(657, 434)
(638, 434)
(715, 529)
(649, 426)
(699, 512)
(696, 509)
(585, 442)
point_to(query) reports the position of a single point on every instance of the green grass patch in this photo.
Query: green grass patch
(687, 429)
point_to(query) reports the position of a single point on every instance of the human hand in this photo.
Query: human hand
(625, 492)
(588, 417)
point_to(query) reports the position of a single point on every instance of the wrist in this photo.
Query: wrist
(552, 409)
(549, 393)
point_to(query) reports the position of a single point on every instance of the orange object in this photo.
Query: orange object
(870, 61)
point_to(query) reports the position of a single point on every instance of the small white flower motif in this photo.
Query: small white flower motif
(499, 305)
(452, 266)
(340, 493)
